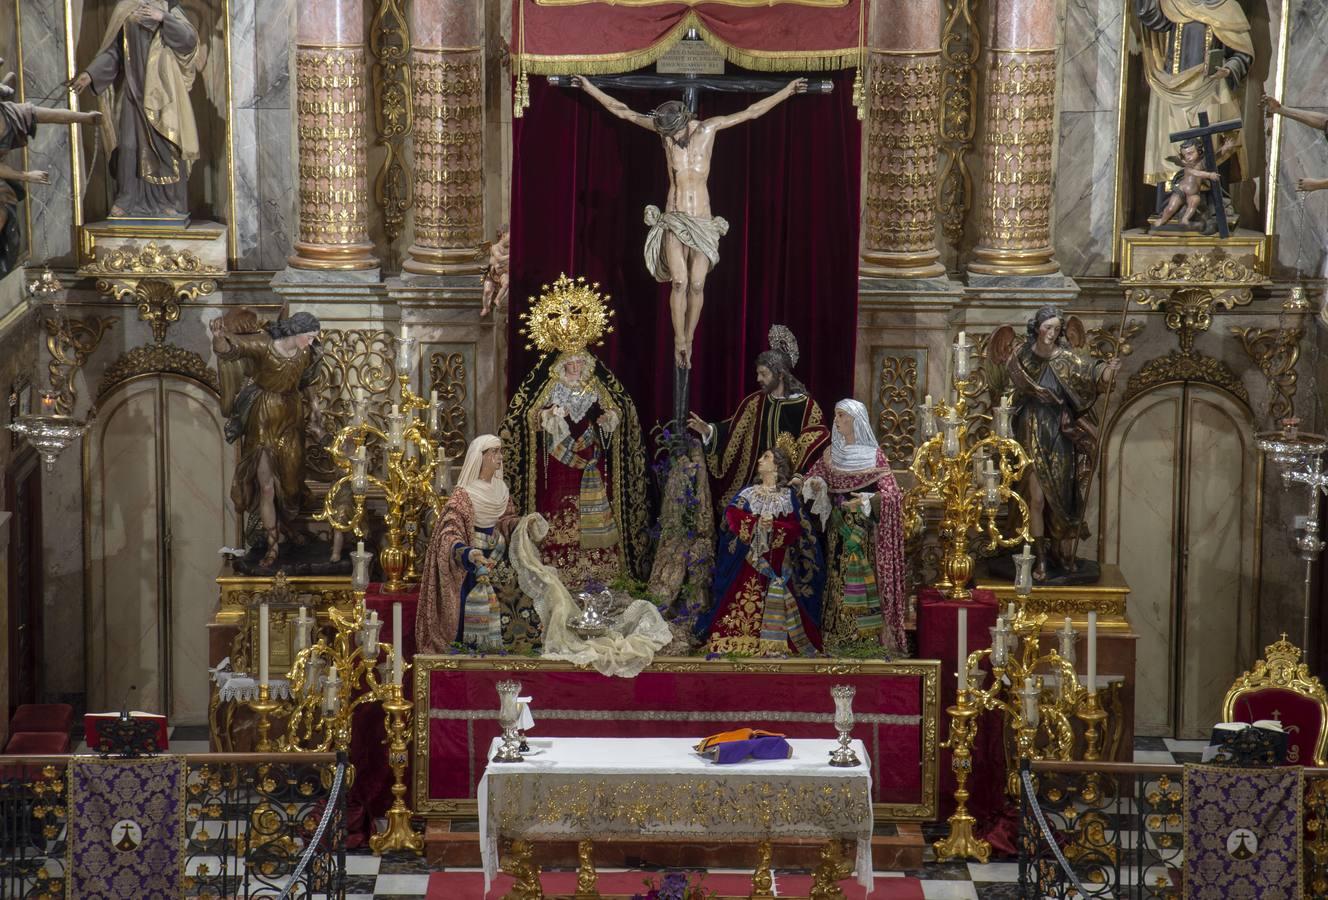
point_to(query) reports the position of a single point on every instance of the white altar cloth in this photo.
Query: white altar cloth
(622, 788)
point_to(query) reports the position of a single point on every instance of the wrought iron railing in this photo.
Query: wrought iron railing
(258, 825)
(1114, 830)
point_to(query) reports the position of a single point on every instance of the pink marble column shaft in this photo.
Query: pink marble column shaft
(331, 110)
(1014, 208)
(900, 140)
(447, 68)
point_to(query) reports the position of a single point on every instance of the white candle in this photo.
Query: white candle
(359, 393)
(398, 641)
(433, 410)
(1092, 650)
(262, 644)
(405, 333)
(927, 401)
(1009, 612)
(359, 547)
(331, 689)
(962, 640)
(963, 338)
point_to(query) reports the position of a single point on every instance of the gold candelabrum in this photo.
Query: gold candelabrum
(971, 477)
(1038, 720)
(411, 472)
(331, 678)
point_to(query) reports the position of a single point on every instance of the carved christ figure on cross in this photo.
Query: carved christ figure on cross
(683, 243)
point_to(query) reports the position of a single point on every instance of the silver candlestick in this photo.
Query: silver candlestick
(843, 755)
(509, 716)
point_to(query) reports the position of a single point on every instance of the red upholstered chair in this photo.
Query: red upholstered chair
(38, 717)
(1280, 687)
(37, 743)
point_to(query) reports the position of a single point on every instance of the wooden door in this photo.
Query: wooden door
(158, 468)
(1179, 518)
(23, 499)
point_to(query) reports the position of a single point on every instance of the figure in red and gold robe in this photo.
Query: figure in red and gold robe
(458, 601)
(768, 571)
(573, 441)
(781, 407)
(854, 493)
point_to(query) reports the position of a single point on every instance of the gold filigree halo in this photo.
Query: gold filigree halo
(789, 444)
(568, 317)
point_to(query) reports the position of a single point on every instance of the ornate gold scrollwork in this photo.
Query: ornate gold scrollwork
(353, 358)
(70, 342)
(897, 394)
(977, 392)
(1110, 342)
(447, 376)
(156, 278)
(961, 44)
(1179, 365)
(389, 42)
(1216, 267)
(152, 359)
(1276, 351)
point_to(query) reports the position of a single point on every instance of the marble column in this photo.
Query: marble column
(331, 109)
(447, 66)
(1014, 207)
(900, 141)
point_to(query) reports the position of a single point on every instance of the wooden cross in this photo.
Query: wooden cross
(1204, 132)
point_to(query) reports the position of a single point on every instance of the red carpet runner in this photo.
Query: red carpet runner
(469, 885)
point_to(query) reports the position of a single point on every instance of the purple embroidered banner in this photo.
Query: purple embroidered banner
(126, 828)
(1243, 833)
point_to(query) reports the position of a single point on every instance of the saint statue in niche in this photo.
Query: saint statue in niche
(142, 74)
(1055, 384)
(1196, 56)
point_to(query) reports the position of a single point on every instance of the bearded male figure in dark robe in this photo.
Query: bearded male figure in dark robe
(142, 73)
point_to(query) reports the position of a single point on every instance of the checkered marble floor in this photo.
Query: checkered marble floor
(407, 876)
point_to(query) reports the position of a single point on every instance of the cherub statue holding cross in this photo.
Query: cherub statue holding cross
(683, 243)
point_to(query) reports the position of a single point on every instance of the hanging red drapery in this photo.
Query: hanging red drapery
(571, 36)
(788, 185)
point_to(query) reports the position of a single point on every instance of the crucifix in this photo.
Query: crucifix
(682, 245)
(1204, 134)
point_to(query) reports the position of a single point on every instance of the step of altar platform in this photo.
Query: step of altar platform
(456, 844)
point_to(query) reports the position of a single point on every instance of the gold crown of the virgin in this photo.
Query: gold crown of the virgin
(569, 316)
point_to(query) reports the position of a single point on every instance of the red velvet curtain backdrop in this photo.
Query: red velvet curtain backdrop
(788, 185)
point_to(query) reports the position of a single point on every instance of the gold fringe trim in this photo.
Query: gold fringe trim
(757, 60)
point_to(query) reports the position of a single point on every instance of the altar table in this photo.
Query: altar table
(590, 789)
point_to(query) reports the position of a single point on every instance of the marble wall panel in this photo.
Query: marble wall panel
(1301, 246)
(1084, 229)
(261, 31)
(276, 187)
(43, 40)
(1302, 220)
(1084, 214)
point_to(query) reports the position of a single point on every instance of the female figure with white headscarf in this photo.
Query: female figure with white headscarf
(854, 494)
(468, 541)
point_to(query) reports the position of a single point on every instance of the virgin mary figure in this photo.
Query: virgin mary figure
(572, 442)
(854, 493)
(768, 571)
(467, 543)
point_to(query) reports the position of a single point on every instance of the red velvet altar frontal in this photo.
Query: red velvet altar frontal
(896, 710)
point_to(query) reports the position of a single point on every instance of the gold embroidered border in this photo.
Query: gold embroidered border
(760, 60)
